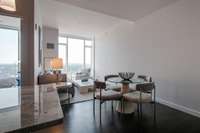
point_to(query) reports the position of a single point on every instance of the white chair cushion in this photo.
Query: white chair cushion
(109, 95)
(113, 86)
(135, 97)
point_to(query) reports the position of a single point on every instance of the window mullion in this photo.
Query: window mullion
(84, 55)
(67, 55)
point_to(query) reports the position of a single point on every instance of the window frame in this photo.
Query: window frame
(84, 49)
(18, 30)
(85, 46)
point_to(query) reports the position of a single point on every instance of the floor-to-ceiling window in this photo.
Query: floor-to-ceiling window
(9, 57)
(76, 54)
(88, 54)
(9, 67)
(62, 51)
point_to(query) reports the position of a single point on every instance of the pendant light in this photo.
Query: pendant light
(8, 5)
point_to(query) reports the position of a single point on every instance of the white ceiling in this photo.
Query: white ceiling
(74, 20)
(87, 18)
(126, 9)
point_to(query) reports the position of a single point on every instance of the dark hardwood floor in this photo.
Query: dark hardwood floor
(79, 118)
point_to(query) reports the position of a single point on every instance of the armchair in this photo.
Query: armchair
(83, 74)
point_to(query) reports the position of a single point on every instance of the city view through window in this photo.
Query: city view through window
(76, 54)
(9, 57)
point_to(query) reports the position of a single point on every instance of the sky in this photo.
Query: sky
(75, 51)
(8, 46)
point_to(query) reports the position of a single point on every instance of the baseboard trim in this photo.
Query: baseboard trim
(179, 107)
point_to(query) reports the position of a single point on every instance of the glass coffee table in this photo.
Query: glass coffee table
(65, 89)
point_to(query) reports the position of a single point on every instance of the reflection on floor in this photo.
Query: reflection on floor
(79, 118)
(78, 97)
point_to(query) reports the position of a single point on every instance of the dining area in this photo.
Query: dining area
(127, 94)
(124, 103)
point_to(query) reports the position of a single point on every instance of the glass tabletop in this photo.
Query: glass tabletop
(131, 81)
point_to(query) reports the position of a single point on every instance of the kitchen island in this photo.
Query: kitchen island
(36, 107)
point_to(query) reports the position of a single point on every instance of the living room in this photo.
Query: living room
(74, 30)
(99, 66)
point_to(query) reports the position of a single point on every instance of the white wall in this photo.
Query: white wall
(50, 35)
(164, 45)
(114, 50)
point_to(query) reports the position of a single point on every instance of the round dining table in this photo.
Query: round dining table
(128, 107)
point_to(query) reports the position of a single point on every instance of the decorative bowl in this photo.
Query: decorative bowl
(126, 75)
